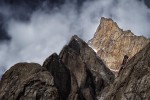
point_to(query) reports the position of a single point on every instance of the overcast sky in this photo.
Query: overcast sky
(47, 30)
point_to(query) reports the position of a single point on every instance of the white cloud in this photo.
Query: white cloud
(46, 33)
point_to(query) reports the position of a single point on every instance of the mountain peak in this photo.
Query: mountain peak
(112, 43)
(109, 24)
(75, 38)
(77, 44)
(78, 55)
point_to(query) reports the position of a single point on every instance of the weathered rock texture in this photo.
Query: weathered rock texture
(27, 81)
(112, 43)
(133, 82)
(88, 69)
(81, 75)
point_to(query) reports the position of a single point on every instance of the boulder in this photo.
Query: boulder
(27, 81)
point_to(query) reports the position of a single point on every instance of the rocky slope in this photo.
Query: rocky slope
(112, 43)
(77, 73)
(133, 82)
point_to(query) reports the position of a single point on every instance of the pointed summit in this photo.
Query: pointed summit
(112, 43)
(81, 60)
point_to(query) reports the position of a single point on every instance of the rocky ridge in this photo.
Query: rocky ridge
(112, 43)
(77, 73)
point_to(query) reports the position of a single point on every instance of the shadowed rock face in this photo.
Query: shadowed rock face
(133, 82)
(85, 65)
(27, 81)
(61, 74)
(112, 43)
(81, 75)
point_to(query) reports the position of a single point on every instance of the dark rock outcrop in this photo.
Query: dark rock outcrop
(61, 74)
(82, 77)
(86, 65)
(27, 81)
(133, 82)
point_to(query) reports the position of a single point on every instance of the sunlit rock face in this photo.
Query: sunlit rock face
(112, 43)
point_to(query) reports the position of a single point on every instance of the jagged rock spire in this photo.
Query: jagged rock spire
(79, 57)
(112, 43)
